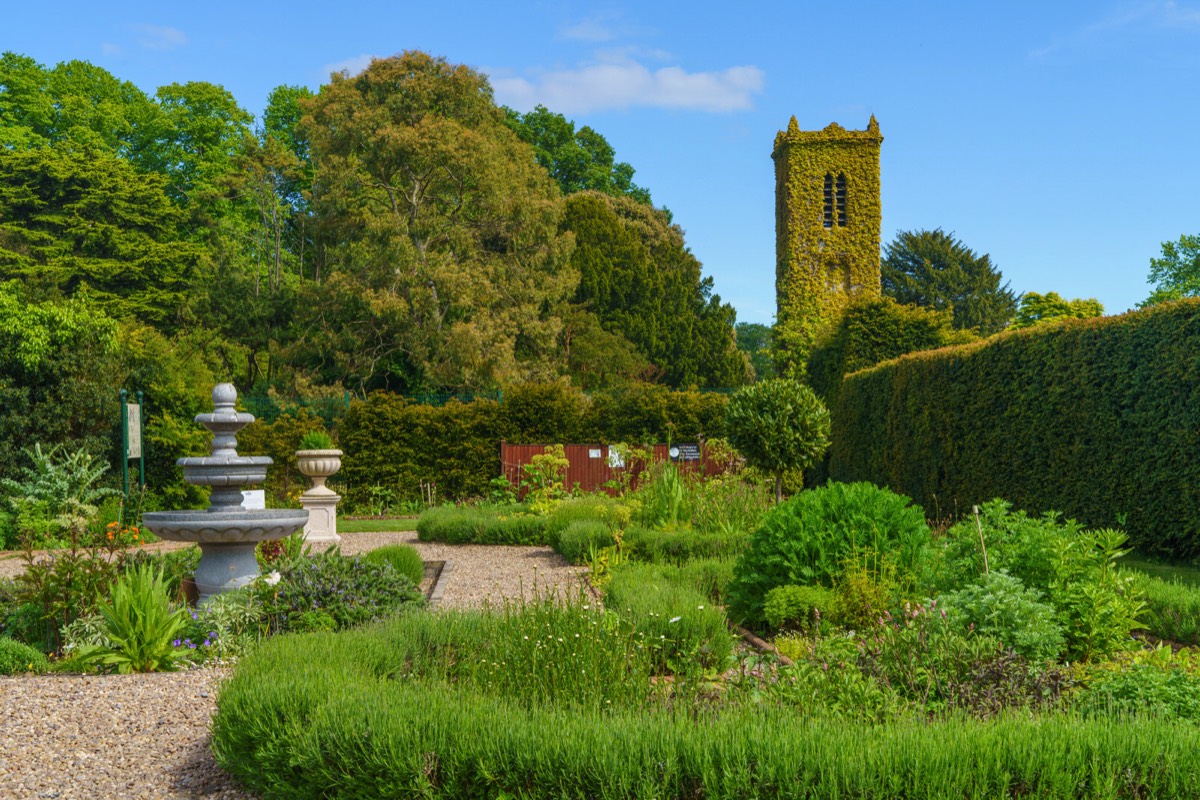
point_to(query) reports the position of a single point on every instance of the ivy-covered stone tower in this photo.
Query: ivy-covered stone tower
(827, 218)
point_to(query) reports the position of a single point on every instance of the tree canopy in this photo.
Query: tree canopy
(441, 221)
(396, 229)
(578, 160)
(755, 340)
(76, 219)
(1036, 309)
(935, 270)
(643, 283)
(1177, 273)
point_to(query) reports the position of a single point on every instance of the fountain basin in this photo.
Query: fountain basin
(227, 539)
(225, 527)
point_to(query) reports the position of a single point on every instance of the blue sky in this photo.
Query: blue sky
(1061, 138)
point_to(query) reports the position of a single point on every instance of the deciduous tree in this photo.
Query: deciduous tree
(1177, 273)
(577, 159)
(1036, 309)
(442, 222)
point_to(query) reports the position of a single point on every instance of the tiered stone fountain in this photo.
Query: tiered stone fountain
(226, 532)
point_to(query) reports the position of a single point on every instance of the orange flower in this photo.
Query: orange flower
(110, 536)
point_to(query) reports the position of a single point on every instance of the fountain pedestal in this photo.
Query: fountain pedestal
(226, 532)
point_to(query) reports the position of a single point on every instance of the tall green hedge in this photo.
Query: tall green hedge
(875, 330)
(1098, 419)
(397, 444)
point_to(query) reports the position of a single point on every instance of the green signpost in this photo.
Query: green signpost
(131, 440)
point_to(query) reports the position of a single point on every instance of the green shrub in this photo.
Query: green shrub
(402, 557)
(338, 716)
(1172, 608)
(140, 625)
(730, 504)
(395, 445)
(1094, 418)
(927, 659)
(228, 626)
(1075, 570)
(999, 605)
(316, 440)
(709, 576)
(678, 623)
(681, 545)
(1156, 682)
(799, 607)
(17, 658)
(175, 565)
(486, 525)
(593, 507)
(330, 591)
(583, 538)
(59, 487)
(398, 445)
(824, 680)
(810, 538)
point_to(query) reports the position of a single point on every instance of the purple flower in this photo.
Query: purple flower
(177, 643)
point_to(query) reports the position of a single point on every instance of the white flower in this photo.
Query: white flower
(675, 619)
(272, 578)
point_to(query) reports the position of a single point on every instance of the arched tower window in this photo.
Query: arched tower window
(841, 199)
(835, 200)
(827, 217)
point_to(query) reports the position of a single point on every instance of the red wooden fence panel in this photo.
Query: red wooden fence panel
(591, 467)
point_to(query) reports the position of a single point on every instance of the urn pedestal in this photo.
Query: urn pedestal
(320, 501)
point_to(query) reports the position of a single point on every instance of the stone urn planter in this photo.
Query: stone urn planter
(319, 465)
(320, 501)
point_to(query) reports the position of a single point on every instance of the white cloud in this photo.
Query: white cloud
(589, 30)
(1104, 32)
(159, 37)
(351, 66)
(625, 83)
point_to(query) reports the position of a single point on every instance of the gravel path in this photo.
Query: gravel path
(68, 737)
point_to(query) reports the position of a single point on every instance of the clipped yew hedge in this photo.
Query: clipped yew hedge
(398, 444)
(1098, 419)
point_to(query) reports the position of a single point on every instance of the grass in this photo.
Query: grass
(1188, 574)
(377, 525)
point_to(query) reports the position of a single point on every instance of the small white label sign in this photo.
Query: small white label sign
(133, 413)
(254, 498)
(594, 453)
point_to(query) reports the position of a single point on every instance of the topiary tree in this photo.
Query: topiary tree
(778, 425)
